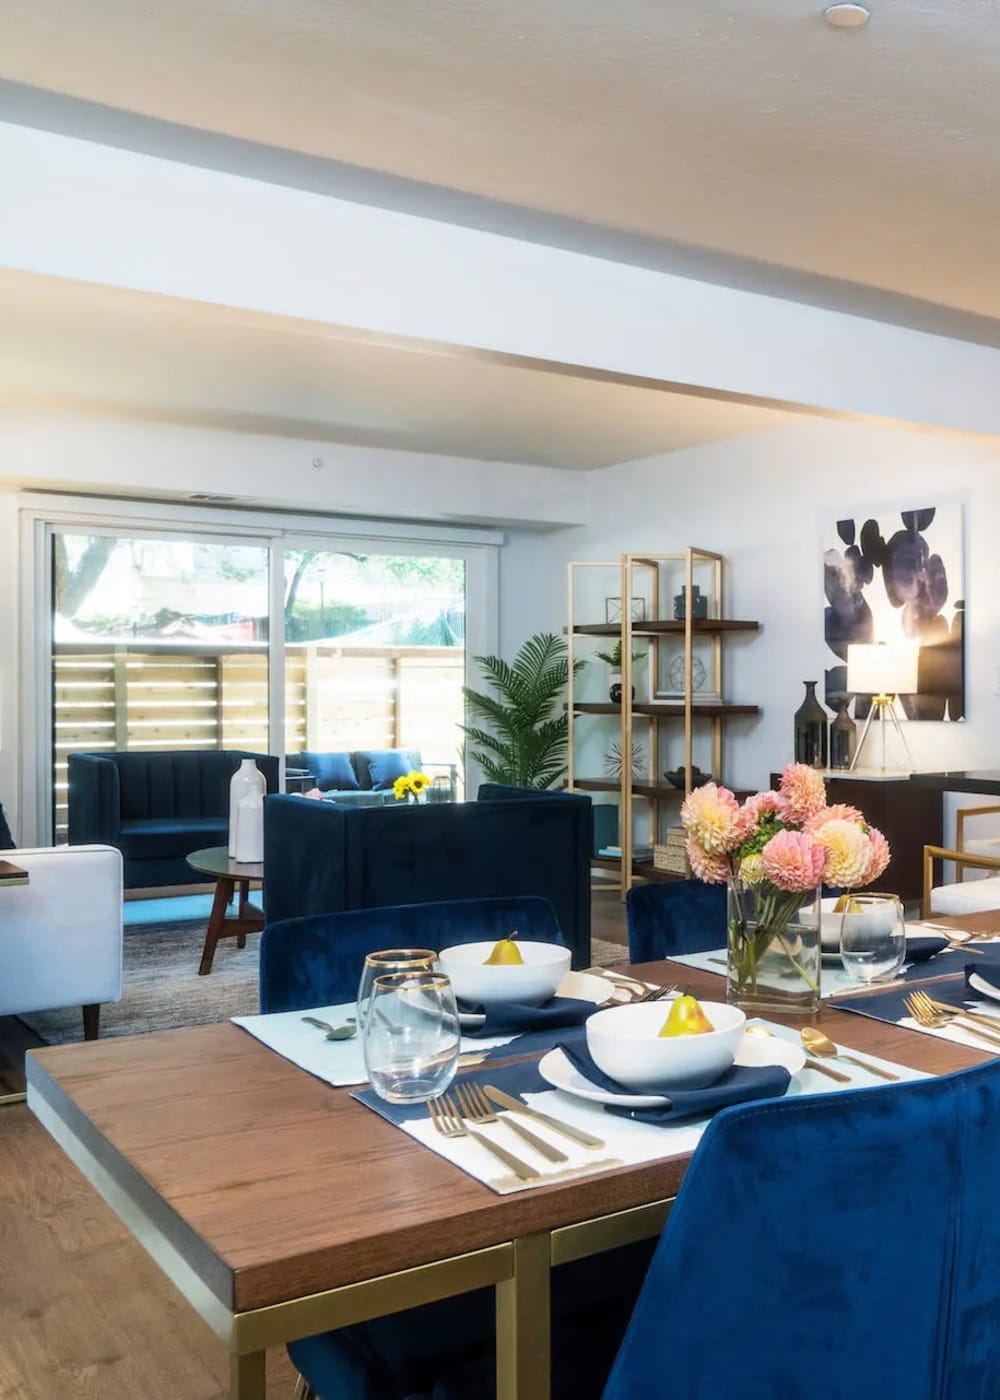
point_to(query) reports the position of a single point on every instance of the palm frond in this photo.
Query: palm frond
(524, 742)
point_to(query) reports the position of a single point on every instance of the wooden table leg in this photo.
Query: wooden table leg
(524, 1350)
(248, 1376)
(223, 894)
(244, 896)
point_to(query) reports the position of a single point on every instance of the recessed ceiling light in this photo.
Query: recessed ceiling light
(847, 16)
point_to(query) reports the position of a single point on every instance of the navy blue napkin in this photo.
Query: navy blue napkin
(551, 1015)
(515, 1079)
(922, 946)
(986, 971)
(739, 1084)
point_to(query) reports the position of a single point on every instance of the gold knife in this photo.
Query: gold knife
(498, 1096)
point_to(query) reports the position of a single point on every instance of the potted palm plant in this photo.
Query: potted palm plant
(614, 660)
(520, 730)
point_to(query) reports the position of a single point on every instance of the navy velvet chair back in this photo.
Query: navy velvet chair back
(841, 1245)
(317, 961)
(677, 916)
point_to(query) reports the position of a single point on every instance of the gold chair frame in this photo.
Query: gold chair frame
(960, 858)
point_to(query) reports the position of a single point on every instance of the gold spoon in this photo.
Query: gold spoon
(821, 1044)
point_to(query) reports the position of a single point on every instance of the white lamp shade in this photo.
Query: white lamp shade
(882, 670)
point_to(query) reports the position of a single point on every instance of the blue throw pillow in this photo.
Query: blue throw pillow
(334, 772)
(386, 765)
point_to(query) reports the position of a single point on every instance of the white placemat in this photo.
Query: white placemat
(337, 1062)
(627, 1143)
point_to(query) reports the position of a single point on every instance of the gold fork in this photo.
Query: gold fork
(476, 1108)
(990, 1022)
(925, 1015)
(446, 1117)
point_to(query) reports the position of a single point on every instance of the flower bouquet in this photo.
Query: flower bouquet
(775, 852)
(410, 787)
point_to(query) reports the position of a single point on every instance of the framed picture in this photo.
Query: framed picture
(613, 610)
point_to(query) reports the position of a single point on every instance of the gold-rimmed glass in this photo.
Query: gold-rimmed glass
(872, 936)
(386, 961)
(411, 1036)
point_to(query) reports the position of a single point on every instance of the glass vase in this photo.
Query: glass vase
(810, 729)
(774, 952)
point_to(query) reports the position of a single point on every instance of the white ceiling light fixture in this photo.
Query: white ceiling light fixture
(847, 16)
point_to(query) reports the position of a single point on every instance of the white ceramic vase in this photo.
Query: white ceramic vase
(246, 781)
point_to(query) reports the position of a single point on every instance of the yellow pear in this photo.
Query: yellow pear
(506, 953)
(846, 904)
(686, 1018)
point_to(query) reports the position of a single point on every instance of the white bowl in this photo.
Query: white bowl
(829, 925)
(530, 982)
(625, 1043)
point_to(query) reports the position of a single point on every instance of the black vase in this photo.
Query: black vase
(843, 737)
(810, 729)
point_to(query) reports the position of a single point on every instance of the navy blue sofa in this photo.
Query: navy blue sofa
(156, 807)
(320, 857)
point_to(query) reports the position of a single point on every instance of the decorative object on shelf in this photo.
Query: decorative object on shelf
(843, 737)
(613, 760)
(676, 672)
(883, 673)
(525, 745)
(411, 787)
(699, 605)
(677, 778)
(672, 855)
(811, 729)
(614, 660)
(905, 585)
(774, 853)
(247, 782)
(613, 610)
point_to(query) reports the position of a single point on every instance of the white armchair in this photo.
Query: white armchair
(61, 933)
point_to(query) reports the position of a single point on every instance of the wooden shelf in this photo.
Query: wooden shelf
(644, 869)
(670, 709)
(640, 789)
(705, 627)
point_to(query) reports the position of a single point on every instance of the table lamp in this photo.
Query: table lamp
(883, 672)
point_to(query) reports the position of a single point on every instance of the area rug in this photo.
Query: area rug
(162, 989)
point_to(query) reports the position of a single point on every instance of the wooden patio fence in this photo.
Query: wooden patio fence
(189, 697)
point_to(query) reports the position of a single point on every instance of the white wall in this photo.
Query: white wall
(763, 502)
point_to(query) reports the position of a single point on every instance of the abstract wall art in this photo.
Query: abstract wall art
(899, 577)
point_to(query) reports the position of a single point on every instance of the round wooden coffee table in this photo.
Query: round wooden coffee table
(228, 874)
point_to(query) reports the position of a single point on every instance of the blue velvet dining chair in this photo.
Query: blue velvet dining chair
(316, 960)
(675, 916)
(846, 1244)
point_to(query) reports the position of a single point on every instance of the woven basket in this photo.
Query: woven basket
(672, 857)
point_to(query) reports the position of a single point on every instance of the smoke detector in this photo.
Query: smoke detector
(847, 16)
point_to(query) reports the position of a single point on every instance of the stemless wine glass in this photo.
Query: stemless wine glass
(411, 1036)
(872, 936)
(390, 960)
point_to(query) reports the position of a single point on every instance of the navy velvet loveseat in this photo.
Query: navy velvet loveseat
(320, 858)
(156, 807)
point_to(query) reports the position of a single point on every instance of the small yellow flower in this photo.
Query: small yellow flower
(751, 869)
(419, 782)
(400, 787)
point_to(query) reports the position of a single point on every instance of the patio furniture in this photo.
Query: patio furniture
(364, 777)
(156, 806)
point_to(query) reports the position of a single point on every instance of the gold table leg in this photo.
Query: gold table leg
(524, 1353)
(247, 1376)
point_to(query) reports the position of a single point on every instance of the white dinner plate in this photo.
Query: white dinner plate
(755, 1050)
(582, 986)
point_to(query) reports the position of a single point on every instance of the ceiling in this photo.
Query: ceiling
(748, 127)
(72, 345)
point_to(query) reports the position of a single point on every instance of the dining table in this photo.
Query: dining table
(281, 1207)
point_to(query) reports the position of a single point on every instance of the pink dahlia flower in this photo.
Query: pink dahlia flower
(879, 857)
(757, 806)
(709, 866)
(793, 861)
(839, 812)
(802, 793)
(848, 853)
(711, 816)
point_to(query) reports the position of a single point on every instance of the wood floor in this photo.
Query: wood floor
(84, 1313)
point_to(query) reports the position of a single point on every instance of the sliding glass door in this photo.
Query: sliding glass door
(171, 639)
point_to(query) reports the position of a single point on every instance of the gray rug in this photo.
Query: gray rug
(162, 989)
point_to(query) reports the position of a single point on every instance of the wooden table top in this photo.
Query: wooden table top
(273, 1185)
(214, 860)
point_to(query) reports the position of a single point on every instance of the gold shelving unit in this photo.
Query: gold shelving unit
(645, 576)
